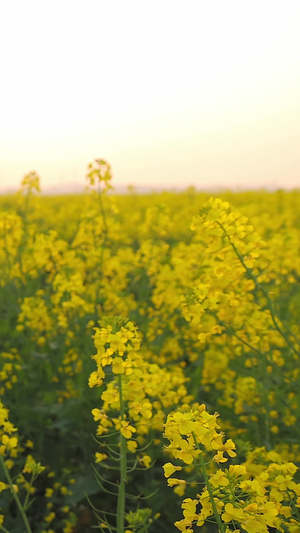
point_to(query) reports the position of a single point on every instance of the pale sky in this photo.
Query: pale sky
(170, 93)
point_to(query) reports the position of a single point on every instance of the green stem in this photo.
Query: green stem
(231, 331)
(25, 504)
(16, 497)
(123, 468)
(102, 209)
(263, 290)
(99, 285)
(210, 491)
(25, 214)
(264, 387)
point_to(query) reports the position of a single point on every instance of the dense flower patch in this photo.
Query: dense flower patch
(149, 360)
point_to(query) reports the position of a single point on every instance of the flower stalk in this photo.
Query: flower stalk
(16, 497)
(209, 488)
(123, 468)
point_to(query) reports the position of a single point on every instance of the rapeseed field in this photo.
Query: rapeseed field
(149, 360)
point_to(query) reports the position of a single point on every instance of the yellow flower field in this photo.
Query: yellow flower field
(150, 360)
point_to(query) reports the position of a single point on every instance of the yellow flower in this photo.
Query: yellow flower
(238, 470)
(118, 365)
(172, 482)
(180, 490)
(3, 486)
(127, 429)
(9, 442)
(229, 448)
(98, 414)
(50, 517)
(185, 526)
(219, 479)
(219, 457)
(99, 457)
(132, 445)
(96, 379)
(146, 460)
(232, 513)
(169, 469)
(189, 509)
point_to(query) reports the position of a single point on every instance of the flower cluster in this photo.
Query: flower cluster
(193, 430)
(234, 496)
(147, 389)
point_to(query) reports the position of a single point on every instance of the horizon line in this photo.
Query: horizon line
(75, 188)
